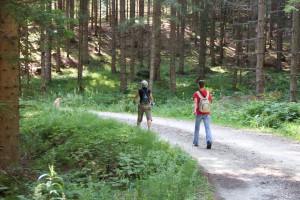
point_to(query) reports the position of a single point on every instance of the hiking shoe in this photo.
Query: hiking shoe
(196, 145)
(208, 145)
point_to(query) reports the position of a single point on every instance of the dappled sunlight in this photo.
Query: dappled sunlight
(183, 85)
(219, 69)
(72, 72)
(100, 80)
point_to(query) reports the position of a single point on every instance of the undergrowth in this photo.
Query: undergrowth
(98, 158)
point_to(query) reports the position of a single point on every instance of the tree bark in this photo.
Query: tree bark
(48, 52)
(96, 16)
(123, 80)
(222, 31)
(212, 36)
(86, 33)
(157, 38)
(26, 54)
(9, 89)
(251, 34)
(113, 37)
(172, 51)
(295, 54)
(100, 27)
(203, 34)
(279, 33)
(58, 52)
(260, 48)
(272, 22)
(141, 33)
(80, 46)
(238, 50)
(181, 36)
(132, 42)
(149, 33)
(43, 57)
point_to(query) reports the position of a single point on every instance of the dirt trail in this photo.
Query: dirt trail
(242, 164)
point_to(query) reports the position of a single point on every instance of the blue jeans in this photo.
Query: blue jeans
(206, 119)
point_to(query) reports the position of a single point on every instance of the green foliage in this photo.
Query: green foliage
(50, 186)
(102, 158)
(260, 114)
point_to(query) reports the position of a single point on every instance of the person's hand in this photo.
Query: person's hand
(195, 112)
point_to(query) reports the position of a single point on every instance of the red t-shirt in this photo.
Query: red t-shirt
(204, 92)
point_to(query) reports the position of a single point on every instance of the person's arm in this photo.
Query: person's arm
(195, 106)
(151, 97)
(136, 96)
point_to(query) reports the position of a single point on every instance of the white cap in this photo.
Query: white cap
(144, 83)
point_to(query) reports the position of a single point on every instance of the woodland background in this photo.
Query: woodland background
(93, 53)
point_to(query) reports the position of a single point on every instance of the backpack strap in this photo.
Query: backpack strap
(201, 96)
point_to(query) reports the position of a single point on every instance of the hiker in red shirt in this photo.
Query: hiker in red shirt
(202, 101)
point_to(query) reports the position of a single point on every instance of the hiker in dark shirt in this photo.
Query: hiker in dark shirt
(146, 100)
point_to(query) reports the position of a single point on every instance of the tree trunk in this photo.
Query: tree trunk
(9, 89)
(149, 33)
(26, 54)
(181, 36)
(72, 12)
(58, 52)
(48, 52)
(80, 46)
(212, 37)
(272, 21)
(222, 31)
(43, 59)
(100, 28)
(279, 33)
(157, 38)
(123, 81)
(96, 16)
(173, 51)
(113, 37)
(132, 33)
(196, 20)
(295, 54)
(86, 33)
(117, 13)
(260, 41)
(67, 42)
(141, 34)
(253, 12)
(203, 34)
(92, 14)
(238, 50)
(108, 11)
(152, 56)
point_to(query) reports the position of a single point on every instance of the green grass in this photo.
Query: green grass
(93, 154)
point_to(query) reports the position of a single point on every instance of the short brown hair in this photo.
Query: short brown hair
(201, 83)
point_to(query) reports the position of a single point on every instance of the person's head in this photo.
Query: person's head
(201, 83)
(144, 84)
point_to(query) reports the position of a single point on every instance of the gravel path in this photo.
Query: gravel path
(242, 164)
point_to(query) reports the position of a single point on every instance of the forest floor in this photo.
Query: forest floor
(242, 164)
